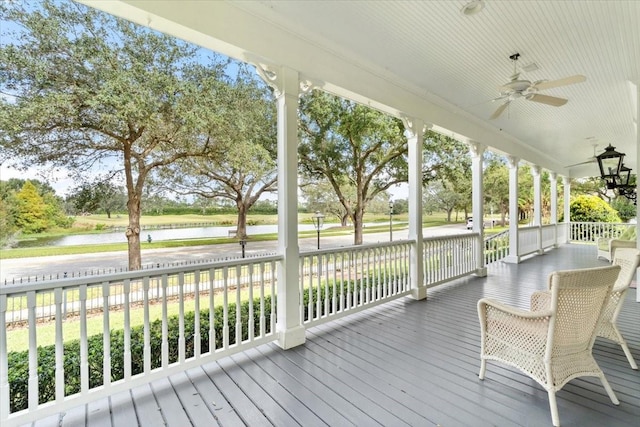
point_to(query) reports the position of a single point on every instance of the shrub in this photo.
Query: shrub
(592, 209)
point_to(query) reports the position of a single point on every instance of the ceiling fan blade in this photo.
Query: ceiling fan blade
(578, 78)
(546, 99)
(499, 110)
(583, 163)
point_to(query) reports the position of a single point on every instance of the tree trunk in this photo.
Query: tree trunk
(357, 227)
(344, 220)
(241, 230)
(133, 232)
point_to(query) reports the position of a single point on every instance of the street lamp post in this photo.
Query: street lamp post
(243, 243)
(318, 222)
(390, 220)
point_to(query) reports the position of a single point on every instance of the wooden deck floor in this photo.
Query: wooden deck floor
(404, 363)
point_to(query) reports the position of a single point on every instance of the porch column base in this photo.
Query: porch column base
(419, 293)
(511, 259)
(481, 272)
(291, 337)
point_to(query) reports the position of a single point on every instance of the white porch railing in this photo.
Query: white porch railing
(496, 247)
(548, 236)
(589, 232)
(115, 344)
(450, 257)
(126, 329)
(536, 239)
(528, 240)
(336, 282)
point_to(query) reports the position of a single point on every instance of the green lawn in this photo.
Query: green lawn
(87, 224)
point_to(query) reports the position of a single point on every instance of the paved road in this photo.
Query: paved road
(25, 268)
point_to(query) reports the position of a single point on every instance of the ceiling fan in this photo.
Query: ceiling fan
(592, 159)
(528, 90)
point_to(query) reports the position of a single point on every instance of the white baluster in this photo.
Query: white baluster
(127, 329)
(58, 294)
(196, 314)
(84, 343)
(181, 337)
(165, 323)
(106, 336)
(225, 307)
(4, 362)
(147, 326)
(238, 306)
(251, 317)
(212, 311)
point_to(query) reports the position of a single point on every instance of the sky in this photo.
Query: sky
(59, 181)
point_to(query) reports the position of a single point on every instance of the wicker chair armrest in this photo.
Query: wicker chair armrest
(603, 242)
(516, 312)
(619, 243)
(512, 327)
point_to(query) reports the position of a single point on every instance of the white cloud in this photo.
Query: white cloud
(59, 179)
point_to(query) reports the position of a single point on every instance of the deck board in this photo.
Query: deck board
(248, 411)
(252, 388)
(222, 410)
(99, 413)
(146, 407)
(402, 363)
(192, 401)
(169, 404)
(122, 409)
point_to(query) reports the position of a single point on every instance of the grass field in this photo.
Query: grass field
(87, 224)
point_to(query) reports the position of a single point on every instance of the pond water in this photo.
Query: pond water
(156, 235)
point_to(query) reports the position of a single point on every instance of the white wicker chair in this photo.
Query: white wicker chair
(552, 345)
(628, 259)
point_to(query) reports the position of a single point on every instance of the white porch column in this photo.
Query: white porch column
(566, 182)
(537, 204)
(414, 132)
(285, 82)
(477, 202)
(637, 122)
(514, 241)
(553, 189)
(537, 195)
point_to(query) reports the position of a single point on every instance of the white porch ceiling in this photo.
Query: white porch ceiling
(425, 59)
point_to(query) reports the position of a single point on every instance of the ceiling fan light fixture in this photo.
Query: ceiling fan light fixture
(472, 8)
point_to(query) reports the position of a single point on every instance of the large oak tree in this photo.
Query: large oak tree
(246, 168)
(83, 90)
(351, 146)
(362, 152)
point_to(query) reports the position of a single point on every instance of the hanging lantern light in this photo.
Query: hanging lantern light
(610, 163)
